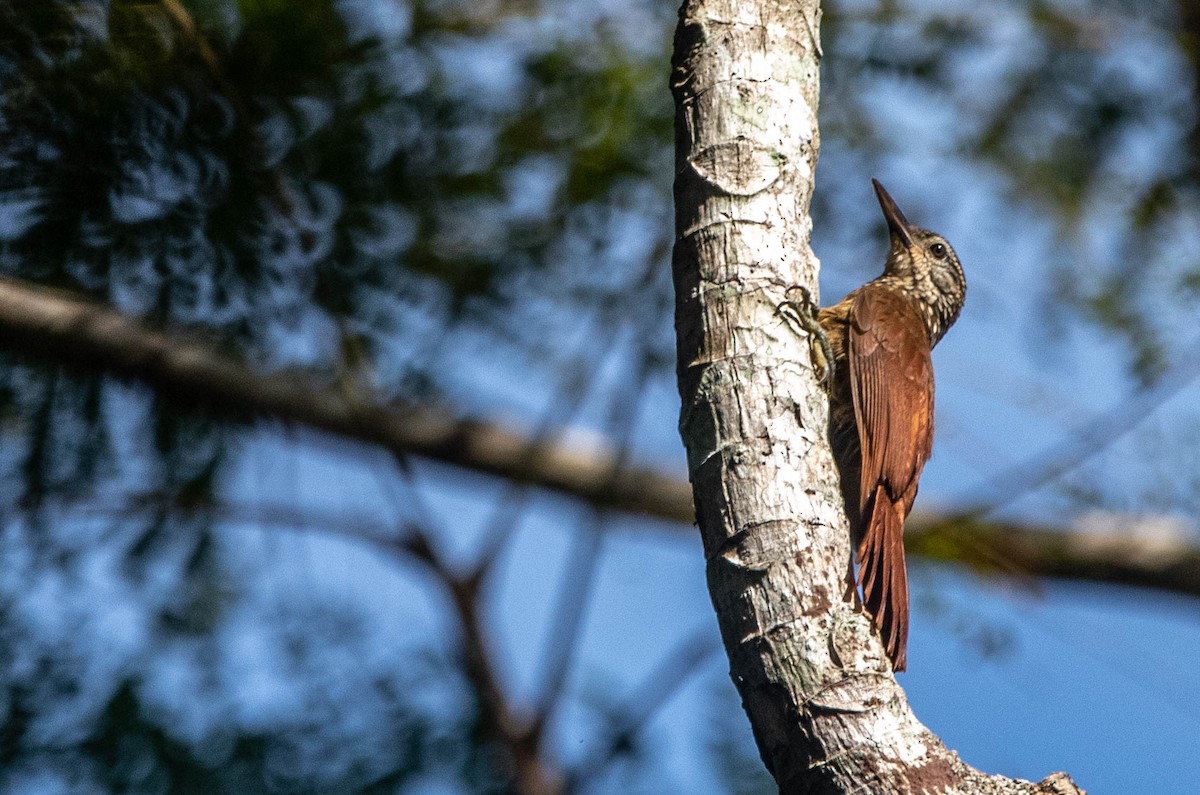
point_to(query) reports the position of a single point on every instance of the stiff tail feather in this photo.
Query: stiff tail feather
(883, 577)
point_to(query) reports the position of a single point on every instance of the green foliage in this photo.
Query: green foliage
(301, 192)
(281, 176)
(307, 191)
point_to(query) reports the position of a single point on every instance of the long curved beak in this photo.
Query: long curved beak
(898, 225)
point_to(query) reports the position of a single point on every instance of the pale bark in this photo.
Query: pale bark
(827, 714)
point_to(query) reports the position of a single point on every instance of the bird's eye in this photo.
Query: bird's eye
(938, 250)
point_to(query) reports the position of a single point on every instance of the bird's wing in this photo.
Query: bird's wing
(891, 380)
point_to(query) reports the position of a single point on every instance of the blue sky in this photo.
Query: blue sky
(1079, 678)
(1095, 681)
(1100, 682)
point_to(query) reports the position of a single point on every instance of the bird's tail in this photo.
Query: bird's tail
(883, 577)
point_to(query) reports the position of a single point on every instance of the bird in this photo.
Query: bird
(875, 354)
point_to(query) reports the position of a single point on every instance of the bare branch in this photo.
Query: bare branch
(1085, 441)
(558, 412)
(676, 667)
(57, 327)
(581, 568)
(1162, 558)
(532, 775)
(563, 638)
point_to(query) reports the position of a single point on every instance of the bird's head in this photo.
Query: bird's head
(924, 265)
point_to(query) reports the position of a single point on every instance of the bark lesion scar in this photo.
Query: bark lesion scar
(735, 550)
(849, 695)
(761, 633)
(728, 220)
(738, 167)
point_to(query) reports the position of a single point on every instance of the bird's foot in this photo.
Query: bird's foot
(800, 312)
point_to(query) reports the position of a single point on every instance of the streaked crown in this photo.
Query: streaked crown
(924, 266)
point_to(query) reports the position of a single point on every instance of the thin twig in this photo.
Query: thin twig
(563, 407)
(1166, 564)
(563, 640)
(563, 637)
(676, 667)
(558, 412)
(1085, 441)
(496, 716)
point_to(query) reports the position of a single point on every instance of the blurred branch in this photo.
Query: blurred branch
(532, 775)
(585, 557)
(659, 686)
(1164, 560)
(566, 623)
(57, 327)
(499, 723)
(564, 404)
(1085, 440)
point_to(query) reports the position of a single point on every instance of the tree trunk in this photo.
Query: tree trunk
(827, 714)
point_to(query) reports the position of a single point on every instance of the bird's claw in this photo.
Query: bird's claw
(800, 312)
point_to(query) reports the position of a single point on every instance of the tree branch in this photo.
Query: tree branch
(1143, 553)
(531, 774)
(659, 686)
(584, 559)
(56, 327)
